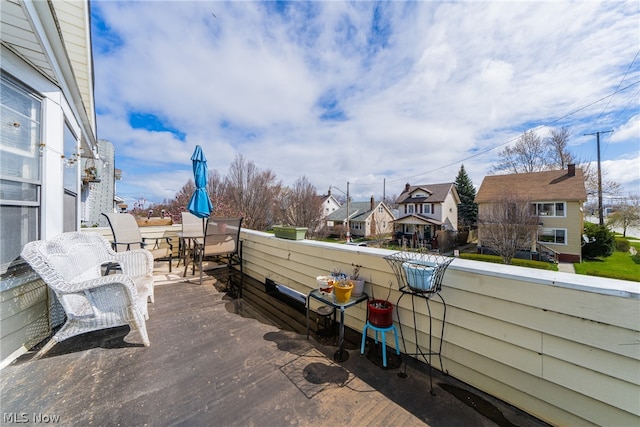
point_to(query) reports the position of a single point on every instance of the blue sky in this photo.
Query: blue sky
(374, 94)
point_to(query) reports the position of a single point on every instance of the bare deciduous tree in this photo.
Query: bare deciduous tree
(507, 226)
(381, 230)
(215, 186)
(559, 155)
(300, 205)
(184, 195)
(251, 192)
(528, 154)
(609, 186)
(627, 214)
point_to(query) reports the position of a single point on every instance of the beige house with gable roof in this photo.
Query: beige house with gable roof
(557, 198)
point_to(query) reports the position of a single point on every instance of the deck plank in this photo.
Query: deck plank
(215, 360)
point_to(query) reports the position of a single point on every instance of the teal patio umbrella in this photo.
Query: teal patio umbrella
(200, 204)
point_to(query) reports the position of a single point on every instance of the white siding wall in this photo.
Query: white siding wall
(560, 346)
(23, 296)
(450, 211)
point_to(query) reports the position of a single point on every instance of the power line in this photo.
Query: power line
(595, 123)
(617, 89)
(483, 152)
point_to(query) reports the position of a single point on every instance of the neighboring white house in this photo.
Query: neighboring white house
(425, 209)
(328, 205)
(48, 131)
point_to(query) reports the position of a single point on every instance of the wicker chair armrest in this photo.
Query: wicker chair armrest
(100, 292)
(136, 262)
(80, 286)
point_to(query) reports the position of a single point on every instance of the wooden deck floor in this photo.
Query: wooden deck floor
(216, 360)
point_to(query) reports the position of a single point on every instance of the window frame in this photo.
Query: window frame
(554, 230)
(539, 211)
(30, 225)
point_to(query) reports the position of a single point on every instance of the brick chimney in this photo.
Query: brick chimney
(407, 187)
(571, 169)
(372, 203)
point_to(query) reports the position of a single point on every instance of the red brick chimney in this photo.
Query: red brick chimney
(571, 169)
(407, 187)
(372, 203)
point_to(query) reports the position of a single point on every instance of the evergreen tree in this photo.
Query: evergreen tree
(468, 208)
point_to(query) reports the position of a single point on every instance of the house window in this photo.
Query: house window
(426, 208)
(410, 209)
(20, 180)
(556, 209)
(553, 235)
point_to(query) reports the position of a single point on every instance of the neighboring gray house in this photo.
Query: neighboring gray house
(366, 219)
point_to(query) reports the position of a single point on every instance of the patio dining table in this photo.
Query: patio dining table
(188, 242)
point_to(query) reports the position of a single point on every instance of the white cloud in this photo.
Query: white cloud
(435, 84)
(625, 171)
(628, 132)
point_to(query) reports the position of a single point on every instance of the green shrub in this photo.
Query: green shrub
(601, 241)
(622, 244)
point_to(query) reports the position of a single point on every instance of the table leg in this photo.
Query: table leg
(341, 355)
(187, 251)
(308, 318)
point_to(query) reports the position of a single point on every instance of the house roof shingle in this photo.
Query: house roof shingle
(358, 211)
(534, 186)
(437, 193)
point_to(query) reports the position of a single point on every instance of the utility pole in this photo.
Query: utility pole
(347, 221)
(348, 225)
(600, 212)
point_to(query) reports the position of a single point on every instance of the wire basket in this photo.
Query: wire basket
(420, 272)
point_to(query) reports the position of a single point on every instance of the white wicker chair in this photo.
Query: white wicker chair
(72, 265)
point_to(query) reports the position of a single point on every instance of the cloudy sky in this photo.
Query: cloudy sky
(374, 94)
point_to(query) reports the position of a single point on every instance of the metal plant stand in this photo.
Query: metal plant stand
(420, 275)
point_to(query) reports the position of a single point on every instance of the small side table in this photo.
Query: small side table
(341, 355)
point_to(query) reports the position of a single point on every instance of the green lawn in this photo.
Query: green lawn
(620, 265)
(515, 261)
